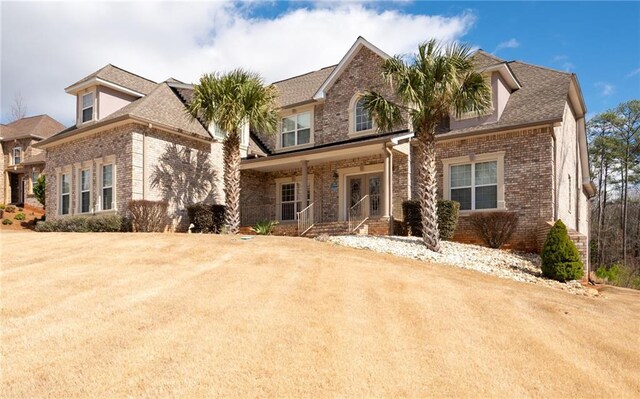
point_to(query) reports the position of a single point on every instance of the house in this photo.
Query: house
(329, 169)
(21, 162)
(132, 140)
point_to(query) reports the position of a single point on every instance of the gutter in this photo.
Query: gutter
(457, 135)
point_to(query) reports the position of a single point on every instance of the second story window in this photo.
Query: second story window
(17, 155)
(363, 120)
(87, 107)
(296, 130)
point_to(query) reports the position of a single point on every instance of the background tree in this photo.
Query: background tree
(230, 101)
(18, 108)
(430, 86)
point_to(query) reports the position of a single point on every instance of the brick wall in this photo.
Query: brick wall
(528, 178)
(133, 172)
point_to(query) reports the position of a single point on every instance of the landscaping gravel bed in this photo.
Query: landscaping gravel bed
(516, 266)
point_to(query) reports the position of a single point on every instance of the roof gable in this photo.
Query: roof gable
(359, 44)
(40, 126)
(300, 89)
(118, 79)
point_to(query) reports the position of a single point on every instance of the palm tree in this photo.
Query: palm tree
(435, 82)
(230, 101)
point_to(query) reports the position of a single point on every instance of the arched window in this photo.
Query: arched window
(362, 118)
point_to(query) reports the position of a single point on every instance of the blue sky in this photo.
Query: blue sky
(599, 41)
(47, 46)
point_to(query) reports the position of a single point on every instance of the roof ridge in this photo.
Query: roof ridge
(304, 74)
(487, 54)
(129, 72)
(542, 67)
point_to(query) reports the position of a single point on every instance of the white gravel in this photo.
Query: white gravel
(505, 264)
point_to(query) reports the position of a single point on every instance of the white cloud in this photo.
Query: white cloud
(606, 89)
(564, 62)
(634, 72)
(46, 46)
(511, 43)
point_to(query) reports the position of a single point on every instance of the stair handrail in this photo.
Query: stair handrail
(305, 219)
(355, 220)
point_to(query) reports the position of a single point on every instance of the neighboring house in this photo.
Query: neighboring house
(21, 163)
(132, 140)
(329, 170)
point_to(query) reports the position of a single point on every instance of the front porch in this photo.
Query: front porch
(351, 190)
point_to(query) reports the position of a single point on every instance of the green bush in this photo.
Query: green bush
(2, 206)
(7, 221)
(10, 209)
(611, 274)
(148, 216)
(206, 218)
(560, 257)
(494, 227)
(39, 189)
(447, 218)
(83, 224)
(20, 216)
(264, 227)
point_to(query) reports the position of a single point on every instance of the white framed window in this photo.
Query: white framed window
(34, 179)
(17, 155)
(476, 181)
(84, 200)
(363, 121)
(107, 187)
(86, 107)
(289, 197)
(65, 193)
(296, 130)
(220, 134)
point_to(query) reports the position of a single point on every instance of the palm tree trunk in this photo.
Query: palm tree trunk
(428, 190)
(232, 182)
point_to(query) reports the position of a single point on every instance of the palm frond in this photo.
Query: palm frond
(385, 113)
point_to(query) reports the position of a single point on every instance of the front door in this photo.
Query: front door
(14, 184)
(360, 186)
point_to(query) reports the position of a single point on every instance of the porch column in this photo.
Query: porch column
(304, 184)
(386, 177)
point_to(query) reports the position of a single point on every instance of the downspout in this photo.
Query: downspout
(389, 155)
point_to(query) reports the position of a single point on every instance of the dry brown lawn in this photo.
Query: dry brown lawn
(136, 315)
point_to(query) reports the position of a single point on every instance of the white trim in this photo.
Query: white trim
(82, 168)
(359, 43)
(506, 74)
(294, 112)
(100, 162)
(344, 173)
(298, 181)
(352, 119)
(473, 159)
(97, 81)
(65, 171)
(81, 107)
(13, 155)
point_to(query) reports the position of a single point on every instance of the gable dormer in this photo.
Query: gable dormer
(502, 82)
(106, 91)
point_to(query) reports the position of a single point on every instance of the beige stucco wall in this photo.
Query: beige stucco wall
(109, 101)
(571, 203)
(500, 96)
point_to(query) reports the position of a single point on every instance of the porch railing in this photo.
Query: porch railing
(250, 215)
(305, 219)
(358, 213)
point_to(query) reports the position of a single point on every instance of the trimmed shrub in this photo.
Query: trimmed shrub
(206, 218)
(264, 227)
(495, 227)
(20, 209)
(10, 209)
(560, 257)
(20, 216)
(83, 224)
(148, 216)
(2, 206)
(7, 221)
(447, 218)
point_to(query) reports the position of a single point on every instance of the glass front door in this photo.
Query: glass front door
(359, 186)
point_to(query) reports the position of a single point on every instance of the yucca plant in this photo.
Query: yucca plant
(264, 227)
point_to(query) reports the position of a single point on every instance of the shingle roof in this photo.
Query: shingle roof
(541, 98)
(122, 78)
(41, 126)
(301, 88)
(34, 159)
(482, 59)
(162, 106)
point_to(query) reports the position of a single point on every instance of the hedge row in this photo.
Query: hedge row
(84, 224)
(206, 218)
